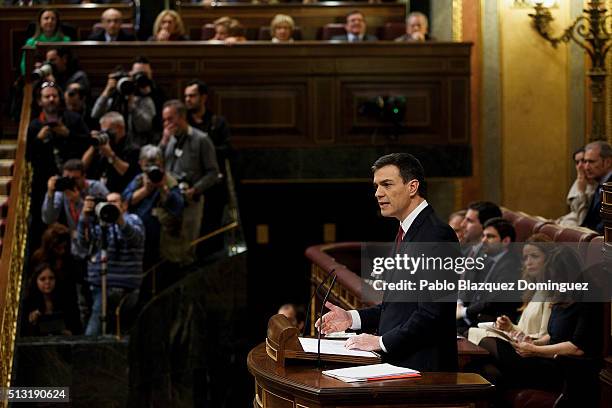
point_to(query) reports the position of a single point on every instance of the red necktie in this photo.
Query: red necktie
(399, 237)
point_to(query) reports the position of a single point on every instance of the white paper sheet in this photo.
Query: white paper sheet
(332, 347)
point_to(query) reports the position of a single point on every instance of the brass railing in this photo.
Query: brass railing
(14, 247)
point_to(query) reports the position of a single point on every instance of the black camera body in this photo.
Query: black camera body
(65, 183)
(47, 68)
(105, 212)
(102, 137)
(129, 84)
(155, 173)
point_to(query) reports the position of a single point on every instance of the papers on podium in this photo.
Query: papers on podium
(374, 372)
(333, 347)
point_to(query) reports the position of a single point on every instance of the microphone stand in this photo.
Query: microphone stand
(331, 285)
(103, 273)
(311, 299)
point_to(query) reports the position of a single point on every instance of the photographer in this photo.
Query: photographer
(131, 95)
(190, 157)
(64, 199)
(111, 157)
(155, 196)
(66, 69)
(54, 136)
(108, 227)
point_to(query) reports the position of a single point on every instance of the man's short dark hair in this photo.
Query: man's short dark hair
(486, 210)
(410, 168)
(503, 227)
(74, 165)
(202, 87)
(350, 13)
(141, 60)
(178, 105)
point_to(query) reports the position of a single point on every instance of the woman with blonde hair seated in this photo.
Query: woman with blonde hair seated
(281, 28)
(168, 26)
(533, 322)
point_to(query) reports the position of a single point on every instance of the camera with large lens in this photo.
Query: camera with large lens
(125, 84)
(43, 71)
(101, 138)
(155, 174)
(65, 183)
(142, 80)
(107, 213)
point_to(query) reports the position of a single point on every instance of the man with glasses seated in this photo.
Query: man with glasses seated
(111, 22)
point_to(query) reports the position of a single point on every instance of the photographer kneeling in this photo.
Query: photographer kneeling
(111, 157)
(114, 239)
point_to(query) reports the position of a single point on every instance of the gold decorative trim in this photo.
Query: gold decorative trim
(608, 90)
(457, 20)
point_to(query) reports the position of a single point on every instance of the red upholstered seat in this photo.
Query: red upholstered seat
(208, 32)
(526, 226)
(594, 253)
(552, 230)
(511, 216)
(390, 31)
(331, 30)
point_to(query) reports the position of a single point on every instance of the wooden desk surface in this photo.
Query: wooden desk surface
(305, 382)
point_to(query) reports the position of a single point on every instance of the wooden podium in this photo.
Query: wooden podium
(300, 384)
(286, 377)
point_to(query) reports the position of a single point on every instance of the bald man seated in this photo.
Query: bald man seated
(111, 22)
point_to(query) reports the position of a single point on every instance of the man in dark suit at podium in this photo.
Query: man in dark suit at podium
(421, 334)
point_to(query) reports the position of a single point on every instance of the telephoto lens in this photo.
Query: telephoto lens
(107, 213)
(155, 174)
(100, 138)
(126, 86)
(43, 71)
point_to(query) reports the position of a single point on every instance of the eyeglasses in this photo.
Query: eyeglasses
(48, 84)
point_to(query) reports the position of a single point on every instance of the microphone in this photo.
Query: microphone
(312, 297)
(331, 285)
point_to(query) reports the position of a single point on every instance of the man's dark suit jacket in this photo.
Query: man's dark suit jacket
(486, 308)
(122, 36)
(344, 37)
(419, 335)
(593, 219)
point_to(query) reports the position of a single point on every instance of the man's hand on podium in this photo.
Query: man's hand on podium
(336, 320)
(365, 342)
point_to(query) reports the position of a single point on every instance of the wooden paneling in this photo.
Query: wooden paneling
(311, 93)
(310, 17)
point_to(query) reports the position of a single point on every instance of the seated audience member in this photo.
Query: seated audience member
(455, 220)
(222, 25)
(597, 167)
(45, 311)
(48, 29)
(136, 104)
(417, 28)
(155, 197)
(573, 330)
(294, 314)
(124, 236)
(66, 69)
(580, 194)
(77, 101)
(501, 265)
(355, 29)
(236, 33)
(168, 26)
(54, 136)
(477, 214)
(64, 202)
(189, 156)
(281, 28)
(535, 313)
(111, 157)
(111, 22)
